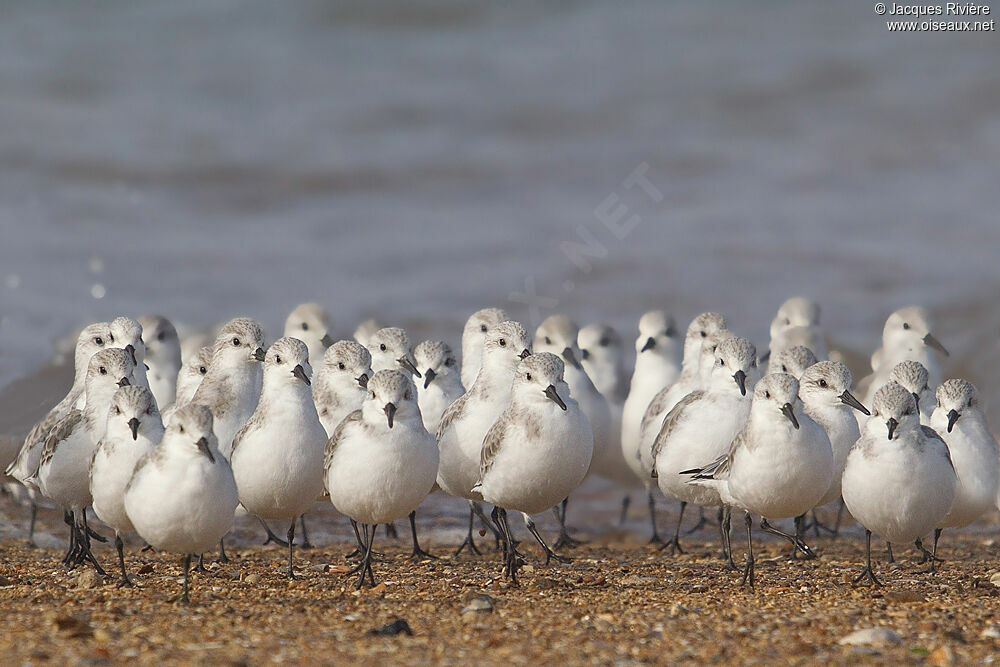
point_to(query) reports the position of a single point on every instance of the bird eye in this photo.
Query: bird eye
(202, 370)
(970, 403)
(161, 336)
(99, 340)
(722, 362)
(450, 361)
(340, 365)
(482, 327)
(305, 326)
(102, 370)
(180, 427)
(111, 337)
(767, 394)
(703, 334)
(784, 369)
(371, 395)
(548, 341)
(822, 383)
(277, 358)
(906, 325)
(381, 346)
(503, 342)
(236, 342)
(787, 321)
(603, 342)
(527, 376)
(118, 410)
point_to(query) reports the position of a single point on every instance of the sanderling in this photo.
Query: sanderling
(602, 354)
(899, 481)
(825, 392)
(906, 336)
(441, 383)
(557, 335)
(310, 323)
(182, 496)
(797, 323)
(381, 462)
(914, 378)
(792, 361)
(390, 349)
(961, 422)
(232, 385)
(466, 421)
(703, 425)
(474, 333)
(62, 474)
(537, 453)
(190, 376)
(163, 358)
(277, 456)
(778, 466)
(128, 335)
(365, 330)
(133, 429)
(341, 382)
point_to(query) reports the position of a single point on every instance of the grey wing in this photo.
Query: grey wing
(142, 463)
(37, 434)
(653, 410)
(672, 419)
(254, 420)
(934, 435)
(491, 446)
(450, 414)
(93, 457)
(720, 467)
(62, 430)
(338, 434)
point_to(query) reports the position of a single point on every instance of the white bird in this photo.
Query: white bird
(479, 324)
(702, 426)
(390, 349)
(341, 382)
(797, 323)
(914, 378)
(365, 330)
(62, 474)
(899, 481)
(441, 384)
(310, 323)
(133, 429)
(232, 385)
(466, 421)
(381, 462)
(182, 496)
(277, 456)
(128, 335)
(190, 376)
(825, 392)
(557, 335)
(537, 453)
(163, 358)
(961, 422)
(602, 354)
(792, 361)
(906, 336)
(779, 465)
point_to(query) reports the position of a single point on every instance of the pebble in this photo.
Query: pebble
(904, 596)
(319, 567)
(4, 581)
(990, 632)
(480, 603)
(871, 637)
(88, 579)
(942, 655)
(252, 578)
(995, 579)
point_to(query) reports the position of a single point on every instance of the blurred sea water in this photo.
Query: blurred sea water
(416, 162)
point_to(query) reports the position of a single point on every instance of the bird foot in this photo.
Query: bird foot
(672, 546)
(419, 554)
(868, 574)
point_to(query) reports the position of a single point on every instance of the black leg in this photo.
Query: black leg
(200, 567)
(674, 543)
(796, 542)
(187, 566)
(390, 531)
(748, 568)
(306, 544)
(469, 542)
(725, 523)
(90, 533)
(223, 558)
(83, 547)
(840, 513)
(478, 510)
(867, 572)
(511, 557)
(549, 553)
(71, 551)
(888, 548)
(564, 539)
(418, 553)
(801, 526)
(31, 523)
(928, 556)
(651, 502)
(291, 541)
(702, 522)
(271, 537)
(120, 547)
(625, 503)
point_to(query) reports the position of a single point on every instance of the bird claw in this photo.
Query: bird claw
(869, 574)
(673, 545)
(468, 542)
(419, 554)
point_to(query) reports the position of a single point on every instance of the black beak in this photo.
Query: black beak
(363, 380)
(916, 399)
(134, 425)
(429, 377)
(524, 353)
(203, 447)
(390, 412)
(953, 416)
(124, 382)
(892, 424)
(300, 373)
(848, 398)
(258, 354)
(649, 345)
(326, 340)
(584, 354)
(741, 380)
(764, 357)
(568, 355)
(931, 341)
(789, 412)
(408, 365)
(131, 352)
(550, 391)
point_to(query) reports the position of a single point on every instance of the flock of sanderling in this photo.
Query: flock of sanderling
(174, 448)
